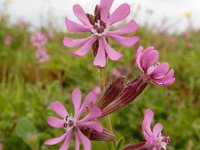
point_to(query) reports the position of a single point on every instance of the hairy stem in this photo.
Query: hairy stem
(102, 83)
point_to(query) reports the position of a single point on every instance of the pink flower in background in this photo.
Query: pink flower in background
(189, 44)
(39, 39)
(172, 40)
(116, 73)
(8, 39)
(157, 73)
(42, 55)
(50, 35)
(97, 90)
(100, 28)
(1, 146)
(154, 139)
(21, 23)
(186, 35)
(74, 123)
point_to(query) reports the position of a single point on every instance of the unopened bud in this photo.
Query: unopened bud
(112, 92)
(140, 146)
(96, 136)
(128, 95)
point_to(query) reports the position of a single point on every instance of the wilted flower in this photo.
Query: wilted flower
(157, 73)
(99, 26)
(74, 123)
(8, 39)
(39, 39)
(42, 55)
(154, 139)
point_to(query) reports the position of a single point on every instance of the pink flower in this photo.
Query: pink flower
(1, 146)
(42, 55)
(116, 73)
(97, 90)
(50, 35)
(99, 26)
(74, 123)
(157, 73)
(8, 39)
(39, 39)
(154, 139)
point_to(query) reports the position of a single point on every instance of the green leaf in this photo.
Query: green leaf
(120, 143)
(25, 128)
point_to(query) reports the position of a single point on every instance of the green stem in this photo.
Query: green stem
(102, 83)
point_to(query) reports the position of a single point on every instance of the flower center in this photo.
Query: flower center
(99, 28)
(69, 122)
(162, 141)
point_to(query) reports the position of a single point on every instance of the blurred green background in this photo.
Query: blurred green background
(27, 88)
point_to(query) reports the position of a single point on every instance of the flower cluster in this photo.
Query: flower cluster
(119, 93)
(39, 41)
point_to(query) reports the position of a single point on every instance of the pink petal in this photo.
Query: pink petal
(76, 98)
(59, 109)
(78, 142)
(68, 42)
(112, 54)
(146, 52)
(125, 41)
(93, 114)
(146, 124)
(119, 14)
(150, 59)
(89, 101)
(105, 6)
(160, 71)
(55, 140)
(74, 27)
(100, 59)
(156, 148)
(80, 14)
(167, 80)
(55, 122)
(138, 58)
(157, 129)
(129, 28)
(85, 141)
(67, 142)
(85, 48)
(91, 125)
(168, 76)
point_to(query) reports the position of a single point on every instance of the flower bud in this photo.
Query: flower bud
(140, 146)
(112, 92)
(128, 95)
(96, 136)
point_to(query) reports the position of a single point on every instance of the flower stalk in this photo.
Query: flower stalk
(102, 83)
